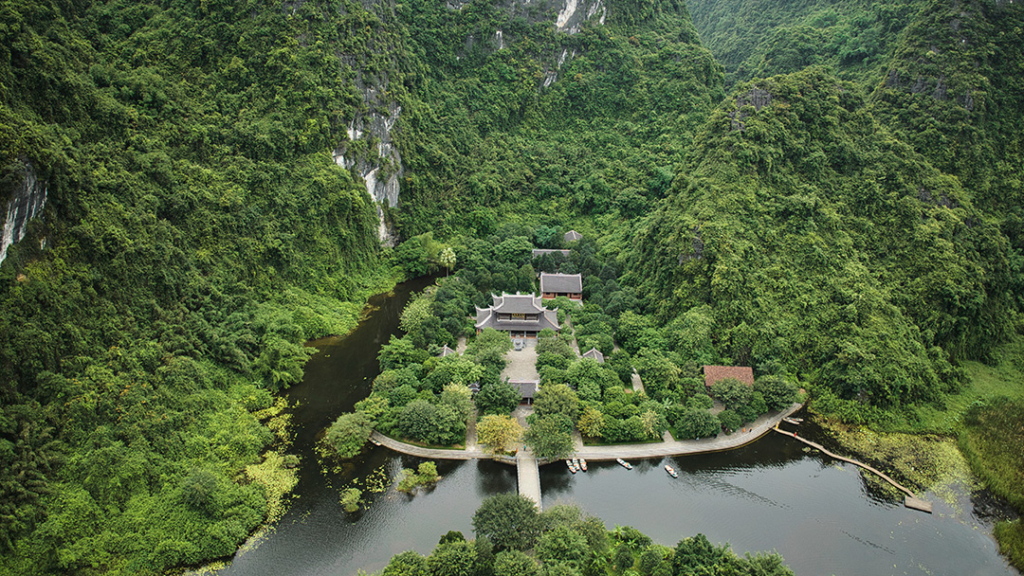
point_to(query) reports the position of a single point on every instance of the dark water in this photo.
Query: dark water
(768, 496)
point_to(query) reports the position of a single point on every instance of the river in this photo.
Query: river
(771, 495)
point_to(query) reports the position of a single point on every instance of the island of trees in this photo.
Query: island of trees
(513, 539)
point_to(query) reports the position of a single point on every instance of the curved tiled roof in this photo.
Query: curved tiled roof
(561, 283)
(714, 374)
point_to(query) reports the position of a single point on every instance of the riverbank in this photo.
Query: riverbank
(719, 443)
(972, 440)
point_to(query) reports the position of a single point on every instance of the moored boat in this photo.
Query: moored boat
(571, 465)
(624, 464)
(583, 464)
(672, 471)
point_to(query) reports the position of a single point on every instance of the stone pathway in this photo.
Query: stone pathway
(638, 385)
(471, 443)
(522, 364)
(528, 474)
(460, 345)
(759, 428)
(626, 451)
(432, 453)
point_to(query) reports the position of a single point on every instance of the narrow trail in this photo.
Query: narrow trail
(911, 501)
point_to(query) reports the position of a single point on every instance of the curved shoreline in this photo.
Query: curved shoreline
(759, 428)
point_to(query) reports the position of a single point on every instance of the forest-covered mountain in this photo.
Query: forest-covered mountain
(825, 189)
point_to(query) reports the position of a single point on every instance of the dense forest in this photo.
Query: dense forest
(828, 191)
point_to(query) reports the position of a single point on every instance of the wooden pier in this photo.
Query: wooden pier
(911, 501)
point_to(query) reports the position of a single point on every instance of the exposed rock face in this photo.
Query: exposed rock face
(26, 202)
(380, 165)
(757, 98)
(574, 13)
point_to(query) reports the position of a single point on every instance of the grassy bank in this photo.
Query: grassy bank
(979, 431)
(991, 439)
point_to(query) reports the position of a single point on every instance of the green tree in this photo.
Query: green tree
(547, 438)
(418, 420)
(447, 259)
(497, 398)
(400, 352)
(509, 521)
(562, 544)
(653, 424)
(200, 490)
(452, 536)
(427, 472)
(407, 563)
(623, 558)
(650, 559)
(730, 420)
(499, 433)
(516, 251)
(557, 399)
(732, 392)
(777, 392)
(349, 433)
(280, 363)
(697, 553)
(459, 398)
(660, 375)
(698, 424)
(452, 559)
(515, 563)
(591, 422)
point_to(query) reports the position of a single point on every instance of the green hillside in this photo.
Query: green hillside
(827, 191)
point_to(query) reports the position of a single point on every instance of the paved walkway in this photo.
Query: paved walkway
(460, 345)
(760, 427)
(522, 364)
(529, 476)
(471, 443)
(432, 453)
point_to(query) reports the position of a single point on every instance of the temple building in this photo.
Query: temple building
(521, 315)
(555, 285)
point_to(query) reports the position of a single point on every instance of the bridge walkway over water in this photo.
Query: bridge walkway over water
(528, 472)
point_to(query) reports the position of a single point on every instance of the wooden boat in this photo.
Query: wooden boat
(624, 464)
(672, 471)
(583, 464)
(572, 467)
(789, 420)
(576, 463)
